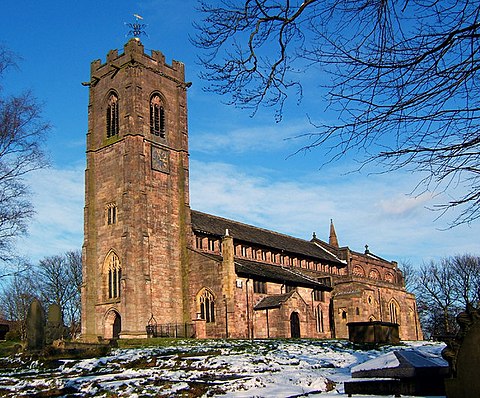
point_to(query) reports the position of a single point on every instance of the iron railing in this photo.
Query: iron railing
(175, 330)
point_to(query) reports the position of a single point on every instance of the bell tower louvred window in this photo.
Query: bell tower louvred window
(112, 115)
(157, 116)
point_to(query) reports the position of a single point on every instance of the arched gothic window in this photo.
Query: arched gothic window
(394, 312)
(114, 274)
(206, 304)
(112, 115)
(157, 116)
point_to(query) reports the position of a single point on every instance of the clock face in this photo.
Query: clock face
(160, 159)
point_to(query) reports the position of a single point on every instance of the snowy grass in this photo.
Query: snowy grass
(195, 368)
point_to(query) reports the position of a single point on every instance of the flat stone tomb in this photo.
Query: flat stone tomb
(401, 372)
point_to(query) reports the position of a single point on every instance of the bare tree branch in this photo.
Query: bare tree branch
(400, 77)
(22, 133)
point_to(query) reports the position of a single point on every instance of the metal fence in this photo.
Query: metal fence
(176, 330)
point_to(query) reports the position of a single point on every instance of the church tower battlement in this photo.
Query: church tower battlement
(137, 214)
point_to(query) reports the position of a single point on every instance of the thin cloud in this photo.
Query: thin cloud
(57, 226)
(366, 210)
(246, 139)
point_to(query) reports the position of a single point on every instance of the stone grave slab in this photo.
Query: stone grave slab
(400, 372)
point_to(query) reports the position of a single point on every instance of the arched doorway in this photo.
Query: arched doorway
(113, 325)
(294, 325)
(117, 327)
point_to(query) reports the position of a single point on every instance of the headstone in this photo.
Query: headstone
(402, 372)
(35, 326)
(55, 329)
(463, 355)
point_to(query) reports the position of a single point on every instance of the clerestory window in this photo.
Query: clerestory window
(259, 287)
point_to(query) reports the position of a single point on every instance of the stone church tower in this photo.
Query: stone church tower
(137, 216)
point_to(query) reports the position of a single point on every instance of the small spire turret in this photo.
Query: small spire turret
(332, 240)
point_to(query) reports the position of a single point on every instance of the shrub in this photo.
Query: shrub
(13, 335)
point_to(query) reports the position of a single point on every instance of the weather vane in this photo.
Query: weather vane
(137, 28)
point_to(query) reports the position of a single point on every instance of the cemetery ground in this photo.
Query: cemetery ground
(195, 368)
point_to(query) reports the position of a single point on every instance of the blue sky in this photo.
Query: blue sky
(241, 167)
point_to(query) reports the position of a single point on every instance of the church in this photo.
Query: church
(152, 266)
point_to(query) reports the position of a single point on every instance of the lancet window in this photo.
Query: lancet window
(112, 115)
(319, 319)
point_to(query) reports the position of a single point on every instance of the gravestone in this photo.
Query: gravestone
(463, 356)
(54, 329)
(35, 326)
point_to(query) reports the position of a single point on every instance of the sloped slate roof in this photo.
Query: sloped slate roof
(273, 301)
(274, 273)
(213, 225)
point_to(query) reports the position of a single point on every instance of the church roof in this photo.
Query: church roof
(283, 275)
(213, 225)
(273, 301)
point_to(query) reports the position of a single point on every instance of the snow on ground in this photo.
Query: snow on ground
(195, 368)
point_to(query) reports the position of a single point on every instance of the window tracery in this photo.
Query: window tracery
(206, 303)
(157, 116)
(394, 311)
(114, 274)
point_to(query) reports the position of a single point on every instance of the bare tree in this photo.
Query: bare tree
(74, 305)
(438, 300)
(56, 279)
(466, 279)
(22, 131)
(401, 77)
(409, 275)
(16, 296)
(444, 289)
(59, 281)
